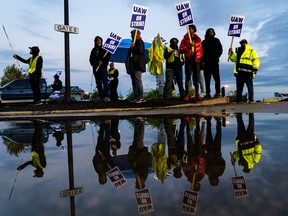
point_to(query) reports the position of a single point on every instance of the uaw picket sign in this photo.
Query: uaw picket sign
(189, 204)
(240, 188)
(116, 177)
(236, 25)
(66, 28)
(144, 201)
(73, 192)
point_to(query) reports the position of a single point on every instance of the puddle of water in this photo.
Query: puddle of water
(163, 166)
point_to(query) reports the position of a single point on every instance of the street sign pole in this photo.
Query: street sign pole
(67, 53)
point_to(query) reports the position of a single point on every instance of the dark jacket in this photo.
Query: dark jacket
(96, 55)
(136, 61)
(212, 49)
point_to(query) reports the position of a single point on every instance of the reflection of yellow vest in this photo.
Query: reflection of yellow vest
(32, 64)
(35, 159)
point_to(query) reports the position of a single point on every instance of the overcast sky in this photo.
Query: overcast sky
(31, 23)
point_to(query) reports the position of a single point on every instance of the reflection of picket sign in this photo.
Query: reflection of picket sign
(144, 201)
(184, 13)
(138, 19)
(190, 200)
(116, 177)
(240, 188)
(55, 95)
(56, 126)
(73, 192)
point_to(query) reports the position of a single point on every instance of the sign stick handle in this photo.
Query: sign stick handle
(231, 44)
(134, 39)
(190, 38)
(103, 157)
(103, 57)
(194, 177)
(233, 164)
(10, 45)
(15, 181)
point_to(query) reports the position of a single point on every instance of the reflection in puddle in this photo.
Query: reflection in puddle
(159, 166)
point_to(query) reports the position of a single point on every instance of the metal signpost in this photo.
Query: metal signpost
(67, 30)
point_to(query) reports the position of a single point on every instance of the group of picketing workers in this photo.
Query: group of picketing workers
(193, 53)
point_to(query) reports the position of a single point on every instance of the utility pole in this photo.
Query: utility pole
(67, 53)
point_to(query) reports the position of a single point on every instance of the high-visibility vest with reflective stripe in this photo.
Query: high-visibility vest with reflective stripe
(172, 57)
(32, 64)
(249, 60)
(111, 72)
(36, 159)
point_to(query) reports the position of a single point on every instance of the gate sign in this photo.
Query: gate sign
(184, 13)
(112, 42)
(138, 18)
(66, 28)
(236, 24)
(73, 192)
(240, 188)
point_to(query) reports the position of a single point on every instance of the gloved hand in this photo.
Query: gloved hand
(255, 71)
(132, 45)
(15, 56)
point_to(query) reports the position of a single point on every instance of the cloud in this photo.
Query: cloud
(32, 22)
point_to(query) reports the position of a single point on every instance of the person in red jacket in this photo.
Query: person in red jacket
(191, 47)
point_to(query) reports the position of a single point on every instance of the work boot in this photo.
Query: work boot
(186, 97)
(198, 98)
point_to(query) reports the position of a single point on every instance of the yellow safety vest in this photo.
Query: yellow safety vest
(251, 155)
(111, 73)
(249, 60)
(172, 57)
(32, 64)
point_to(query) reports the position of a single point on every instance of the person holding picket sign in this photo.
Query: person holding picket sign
(35, 72)
(191, 47)
(245, 68)
(136, 65)
(99, 59)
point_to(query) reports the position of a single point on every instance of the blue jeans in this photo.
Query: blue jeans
(101, 77)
